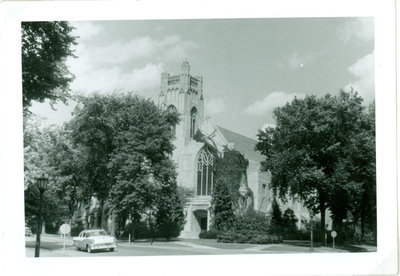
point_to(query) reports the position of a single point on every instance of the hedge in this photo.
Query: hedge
(211, 234)
(253, 237)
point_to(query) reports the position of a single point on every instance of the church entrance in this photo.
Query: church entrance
(201, 220)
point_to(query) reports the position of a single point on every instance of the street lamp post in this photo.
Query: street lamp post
(42, 185)
(311, 231)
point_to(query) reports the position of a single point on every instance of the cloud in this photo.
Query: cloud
(120, 52)
(85, 29)
(296, 61)
(215, 105)
(266, 125)
(130, 65)
(360, 28)
(363, 70)
(269, 102)
(108, 79)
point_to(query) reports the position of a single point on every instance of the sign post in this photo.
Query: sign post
(64, 230)
(333, 234)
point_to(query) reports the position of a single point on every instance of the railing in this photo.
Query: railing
(173, 81)
(194, 82)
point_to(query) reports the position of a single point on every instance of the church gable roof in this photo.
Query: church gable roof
(243, 144)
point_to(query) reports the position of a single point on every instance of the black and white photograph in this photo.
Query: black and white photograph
(248, 138)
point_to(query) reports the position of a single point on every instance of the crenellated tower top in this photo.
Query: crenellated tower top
(184, 93)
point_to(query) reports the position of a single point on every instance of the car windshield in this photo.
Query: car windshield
(96, 233)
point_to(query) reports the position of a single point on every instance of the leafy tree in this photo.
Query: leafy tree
(41, 145)
(45, 48)
(276, 219)
(353, 196)
(224, 216)
(124, 139)
(304, 152)
(229, 169)
(91, 134)
(168, 205)
(228, 173)
(289, 221)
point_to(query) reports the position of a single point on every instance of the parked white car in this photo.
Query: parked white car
(96, 239)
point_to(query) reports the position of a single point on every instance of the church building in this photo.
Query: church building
(183, 93)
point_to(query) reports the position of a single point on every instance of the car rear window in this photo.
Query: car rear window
(96, 233)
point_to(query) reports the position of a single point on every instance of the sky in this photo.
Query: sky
(249, 66)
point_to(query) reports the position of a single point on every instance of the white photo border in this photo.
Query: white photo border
(384, 261)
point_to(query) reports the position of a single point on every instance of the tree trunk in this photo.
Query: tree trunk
(322, 227)
(104, 217)
(113, 227)
(133, 230)
(362, 228)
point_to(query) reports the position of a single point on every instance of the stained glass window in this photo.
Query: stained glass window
(205, 172)
(172, 108)
(193, 114)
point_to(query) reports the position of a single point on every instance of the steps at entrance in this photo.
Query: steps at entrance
(189, 235)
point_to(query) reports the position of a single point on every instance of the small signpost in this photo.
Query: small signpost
(333, 234)
(64, 230)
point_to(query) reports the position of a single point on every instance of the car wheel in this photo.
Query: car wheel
(89, 248)
(111, 249)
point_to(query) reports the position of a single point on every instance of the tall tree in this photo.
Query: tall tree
(276, 218)
(305, 149)
(354, 193)
(229, 171)
(167, 203)
(45, 48)
(124, 139)
(224, 217)
(41, 148)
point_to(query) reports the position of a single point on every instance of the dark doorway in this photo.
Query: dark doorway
(202, 219)
(203, 224)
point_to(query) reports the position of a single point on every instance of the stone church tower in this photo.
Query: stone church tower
(195, 160)
(184, 93)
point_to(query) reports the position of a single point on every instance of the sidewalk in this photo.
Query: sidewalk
(213, 245)
(52, 243)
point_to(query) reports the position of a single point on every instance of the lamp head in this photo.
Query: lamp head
(42, 182)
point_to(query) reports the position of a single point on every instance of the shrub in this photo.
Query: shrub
(253, 237)
(211, 234)
(143, 231)
(297, 235)
(253, 222)
(77, 227)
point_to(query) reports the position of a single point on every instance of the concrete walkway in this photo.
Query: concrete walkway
(53, 243)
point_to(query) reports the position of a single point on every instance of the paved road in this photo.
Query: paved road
(52, 246)
(55, 249)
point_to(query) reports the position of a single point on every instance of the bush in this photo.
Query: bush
(77, 227)
(253, 222)
(297, 235)
(211, 234)
(253, 237)
(143, 231)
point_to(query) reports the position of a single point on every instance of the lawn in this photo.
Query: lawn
(215, 244)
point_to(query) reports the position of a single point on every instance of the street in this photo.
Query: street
(52, 246)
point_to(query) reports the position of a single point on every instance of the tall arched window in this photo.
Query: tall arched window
(205, 174)
(193, 114)
(172, 108)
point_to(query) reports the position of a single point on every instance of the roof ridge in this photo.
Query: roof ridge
(237, 133)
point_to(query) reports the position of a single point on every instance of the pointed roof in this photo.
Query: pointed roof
(243, 144)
